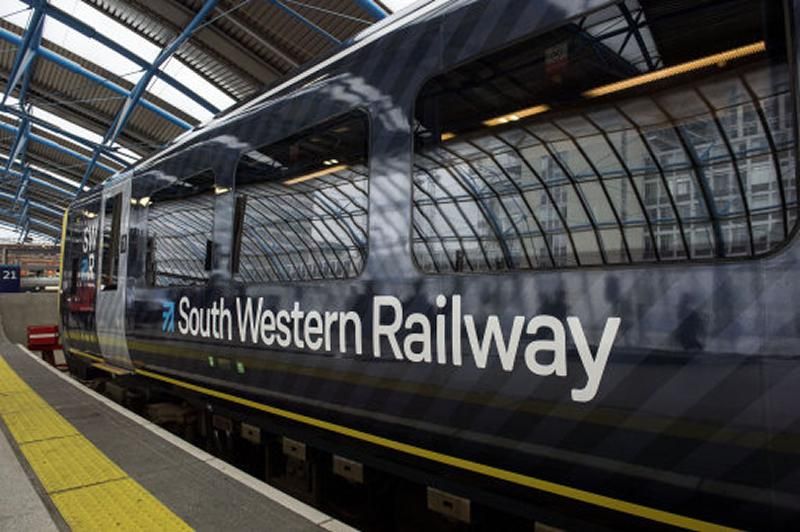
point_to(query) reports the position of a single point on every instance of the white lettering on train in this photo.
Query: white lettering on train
(537, 343)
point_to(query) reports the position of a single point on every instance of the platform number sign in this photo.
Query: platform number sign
(9, 278)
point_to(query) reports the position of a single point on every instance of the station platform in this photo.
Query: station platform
(71, 459)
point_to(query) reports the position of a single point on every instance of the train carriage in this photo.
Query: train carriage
(533, 255)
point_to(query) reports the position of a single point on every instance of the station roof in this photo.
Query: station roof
(91, 86)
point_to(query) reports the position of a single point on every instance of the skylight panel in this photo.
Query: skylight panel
(147, 51)
(9, 233)
(110, 28)
(178, 99)
(85, 47)
(15, 12)
(70, 39)
(178, 70)
(41, 170)
(71, 127)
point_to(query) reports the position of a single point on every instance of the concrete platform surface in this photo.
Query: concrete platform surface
(204, 492)
(21, 508)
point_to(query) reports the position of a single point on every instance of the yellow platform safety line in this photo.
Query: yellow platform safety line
(568, 492)
(90, 491)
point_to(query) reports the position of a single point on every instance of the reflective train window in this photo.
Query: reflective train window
(79, 278)
(180, 222)
(302, 205)
(645, 132)
(112, 215)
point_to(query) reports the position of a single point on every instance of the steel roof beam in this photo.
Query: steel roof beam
(134, 98)
(45, 224)
(58, 147)
(372, 8)
(40, 182)
(22, 115)
(36, 205)
(6, 223)
(634, 27)
(20, 143)
(211, 40)
(90, 32)
(23, 185)
(21, 72)
(303, 20)
(26, 49)
(263, 42)
(72, 66)
(44, 184)
(93, 121)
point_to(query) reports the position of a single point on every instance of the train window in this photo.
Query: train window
(180, 222)
(80, 255)
(302, 205)
(645, 132)
(111, 229)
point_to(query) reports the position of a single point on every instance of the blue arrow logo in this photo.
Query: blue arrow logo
(168, 316)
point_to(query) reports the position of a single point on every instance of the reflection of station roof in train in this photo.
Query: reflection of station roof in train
(90, 87)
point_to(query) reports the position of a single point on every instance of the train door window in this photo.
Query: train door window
(609, 141)
(111, 235)
(180, 222)
(80, 255)
(302, 205)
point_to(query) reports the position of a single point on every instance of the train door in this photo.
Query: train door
(79, 275)
(113, 274)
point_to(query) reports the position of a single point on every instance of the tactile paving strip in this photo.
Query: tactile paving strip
(89, 490)
(72, 462)
(133, 509)
(37, 422)
(17, 401)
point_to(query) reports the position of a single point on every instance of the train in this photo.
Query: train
(491, 264)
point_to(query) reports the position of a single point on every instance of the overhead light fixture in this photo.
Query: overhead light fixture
(314, 175)
(330, 162)
(716, 59)
(221, 190)
(145, 201)
(447, 136)
(516, 115)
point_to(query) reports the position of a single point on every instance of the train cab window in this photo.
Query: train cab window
(112, 217)
(302, 205)
(180, 222)
(645, 132)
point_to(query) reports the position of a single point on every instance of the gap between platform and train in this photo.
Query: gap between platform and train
(638, 510)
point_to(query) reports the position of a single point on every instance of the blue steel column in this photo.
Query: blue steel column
(305, 21)
(135, 96)
(88, 31)
(23, 115)
(26, 51)
(372, 8)
(21, 71)
(72, 66)
(19, 145)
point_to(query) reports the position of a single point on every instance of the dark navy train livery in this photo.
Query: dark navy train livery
(537, 254)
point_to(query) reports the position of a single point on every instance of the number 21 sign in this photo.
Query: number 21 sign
(9, 278)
